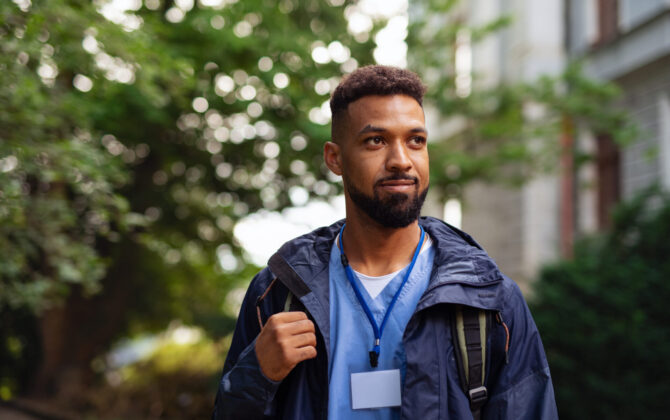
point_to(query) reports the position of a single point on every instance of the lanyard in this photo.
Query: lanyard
(378, 330)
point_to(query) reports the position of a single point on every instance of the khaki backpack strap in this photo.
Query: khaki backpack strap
(289, 299)
(470, 328)
(287, 303)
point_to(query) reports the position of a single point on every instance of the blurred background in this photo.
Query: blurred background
(154, 153)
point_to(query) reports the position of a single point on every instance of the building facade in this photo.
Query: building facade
(625, 42)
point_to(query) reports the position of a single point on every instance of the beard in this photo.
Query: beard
(394, 211)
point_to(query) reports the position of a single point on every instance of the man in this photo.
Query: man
(312, 340)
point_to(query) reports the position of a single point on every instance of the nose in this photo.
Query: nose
(397, 159)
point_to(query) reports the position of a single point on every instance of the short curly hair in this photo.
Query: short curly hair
(373, 80)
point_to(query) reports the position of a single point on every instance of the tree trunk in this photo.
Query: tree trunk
(81, 329)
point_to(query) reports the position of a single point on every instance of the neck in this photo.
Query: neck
(375, 250)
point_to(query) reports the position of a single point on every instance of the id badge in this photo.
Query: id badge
(375, 389)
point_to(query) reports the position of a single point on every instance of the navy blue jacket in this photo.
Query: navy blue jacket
(463, 274)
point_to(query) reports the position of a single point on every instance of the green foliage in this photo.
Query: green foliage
(131, 144)
(603, 317)
(587, 103)
(174, 381)
(57, 187)
(87, 168)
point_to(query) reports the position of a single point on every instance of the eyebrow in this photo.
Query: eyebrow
(374, 129)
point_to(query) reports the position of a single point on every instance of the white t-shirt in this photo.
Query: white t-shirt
(375, 284)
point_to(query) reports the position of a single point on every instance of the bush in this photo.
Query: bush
(604, 317)
(175, 381)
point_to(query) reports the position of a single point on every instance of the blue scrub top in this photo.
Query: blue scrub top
(352, 336)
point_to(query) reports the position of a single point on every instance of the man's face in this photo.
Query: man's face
(383, 159)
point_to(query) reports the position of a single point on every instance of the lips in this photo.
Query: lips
(398, 180)
(397, 184)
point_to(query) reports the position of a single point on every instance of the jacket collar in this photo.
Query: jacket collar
(462, 272)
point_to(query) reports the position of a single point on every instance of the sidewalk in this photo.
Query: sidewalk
(24, 409)
(9, 413)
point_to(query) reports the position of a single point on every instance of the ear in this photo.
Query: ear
(332, 157)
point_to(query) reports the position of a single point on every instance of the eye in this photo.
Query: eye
(374, 140)
(417, 140)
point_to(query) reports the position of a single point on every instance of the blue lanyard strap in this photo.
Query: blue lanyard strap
(378, 331)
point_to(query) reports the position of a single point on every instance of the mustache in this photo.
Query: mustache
(397, 177)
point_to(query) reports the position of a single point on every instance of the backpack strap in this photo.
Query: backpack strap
(290, 304)
(289, 300)
(470, 331)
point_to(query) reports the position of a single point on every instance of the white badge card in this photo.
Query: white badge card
(375, 389)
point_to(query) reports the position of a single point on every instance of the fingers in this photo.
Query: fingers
(300, 347)
(305, 353)
(298, 327)
(283, 317)
(290, 323)
(302, 340)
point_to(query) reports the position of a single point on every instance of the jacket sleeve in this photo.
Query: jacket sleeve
(523, 389)
(244, 391)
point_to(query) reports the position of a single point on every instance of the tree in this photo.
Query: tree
(131, 141)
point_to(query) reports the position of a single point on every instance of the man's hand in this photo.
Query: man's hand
(287, 339)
